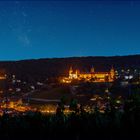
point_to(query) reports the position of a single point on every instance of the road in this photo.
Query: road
(44, 100)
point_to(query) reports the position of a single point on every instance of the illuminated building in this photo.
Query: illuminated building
(2, 80)
(92, 75)
(2, 74)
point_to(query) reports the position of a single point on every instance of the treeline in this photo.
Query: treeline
(111, 125)
(40, 68)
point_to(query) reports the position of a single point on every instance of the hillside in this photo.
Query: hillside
(39, 68)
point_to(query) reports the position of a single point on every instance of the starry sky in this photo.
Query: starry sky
(47, 29)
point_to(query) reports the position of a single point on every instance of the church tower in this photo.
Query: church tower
(92, 69)
(76, 74)
(70, 72)
(112, 73)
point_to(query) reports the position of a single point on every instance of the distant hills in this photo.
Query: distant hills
(40, 68)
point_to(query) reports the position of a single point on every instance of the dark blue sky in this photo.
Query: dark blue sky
(38, 29)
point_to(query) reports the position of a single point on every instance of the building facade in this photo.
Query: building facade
(92, 75)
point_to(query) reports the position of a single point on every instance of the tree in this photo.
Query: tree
(61, 106)
(74, 105)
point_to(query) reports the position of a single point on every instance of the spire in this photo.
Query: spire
(92, 70)
(112, 72)
(112, 68)
(77, 72)
(70, 70)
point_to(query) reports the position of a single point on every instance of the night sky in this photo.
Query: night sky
(47, 29)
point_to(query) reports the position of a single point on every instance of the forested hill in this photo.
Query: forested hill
(38, 68)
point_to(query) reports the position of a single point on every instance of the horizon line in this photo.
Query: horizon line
(65, 57)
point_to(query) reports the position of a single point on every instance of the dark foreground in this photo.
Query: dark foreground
(111, 125)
